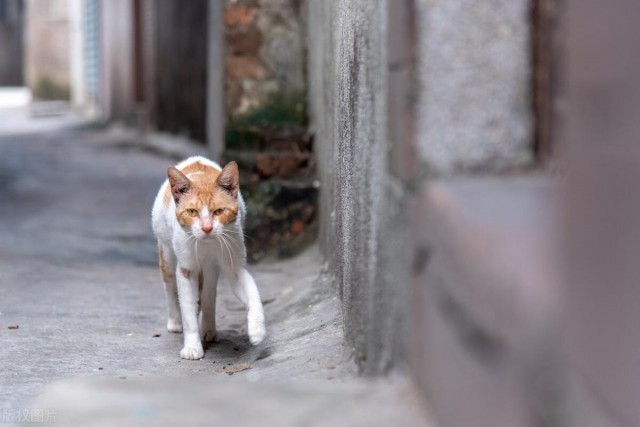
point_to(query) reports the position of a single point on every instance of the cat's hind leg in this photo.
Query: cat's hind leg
(244, 287)
(211, 274)
(167, 263)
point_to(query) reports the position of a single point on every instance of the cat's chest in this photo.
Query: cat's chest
(218, 251)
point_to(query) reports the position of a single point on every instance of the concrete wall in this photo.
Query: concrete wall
(362, 204)
(11, 42)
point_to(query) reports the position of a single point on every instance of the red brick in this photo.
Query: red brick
(297, 226)
(244, 42)
(238, 15)
(246, 67)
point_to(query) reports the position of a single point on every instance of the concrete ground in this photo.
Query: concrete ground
(82, 310)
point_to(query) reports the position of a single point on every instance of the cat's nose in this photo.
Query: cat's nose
(207, 228)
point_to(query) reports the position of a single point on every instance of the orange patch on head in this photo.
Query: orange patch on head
(205, 186)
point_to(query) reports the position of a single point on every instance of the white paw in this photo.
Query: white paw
(192, 353)
(256, 329)
(174, 326)
(209, 336)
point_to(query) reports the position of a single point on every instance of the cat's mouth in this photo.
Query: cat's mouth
(209, 237)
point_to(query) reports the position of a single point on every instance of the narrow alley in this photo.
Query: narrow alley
(442, 216)
(81, 297)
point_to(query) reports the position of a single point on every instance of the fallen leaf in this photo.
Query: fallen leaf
(156, 336)
(14, 327)
(235, 368)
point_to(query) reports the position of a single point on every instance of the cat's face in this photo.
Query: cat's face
(206, 199)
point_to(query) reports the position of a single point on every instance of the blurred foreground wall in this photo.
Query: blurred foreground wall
(601, 215)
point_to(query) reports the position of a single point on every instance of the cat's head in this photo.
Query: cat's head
(206, 200)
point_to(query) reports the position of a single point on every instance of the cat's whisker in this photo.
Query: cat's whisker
(239, 233)
(229, 250)
(232, 240)
(197, 257)
(221, 249)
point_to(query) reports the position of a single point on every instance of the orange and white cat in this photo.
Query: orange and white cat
(198, 217)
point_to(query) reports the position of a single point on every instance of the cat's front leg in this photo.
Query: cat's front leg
(187, 290)
(244, 287)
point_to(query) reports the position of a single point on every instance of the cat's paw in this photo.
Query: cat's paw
(209, 336)
(174, 326)
(256, 329)
(192, 353)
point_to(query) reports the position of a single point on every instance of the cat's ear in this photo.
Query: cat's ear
(229, 179)
(178, 182)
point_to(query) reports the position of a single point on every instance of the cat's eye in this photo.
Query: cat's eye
(218, 211)
(192, 212)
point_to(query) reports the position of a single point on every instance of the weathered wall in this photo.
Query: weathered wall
(11, 42)
(265, 54)
(266, 129)
(362, 204)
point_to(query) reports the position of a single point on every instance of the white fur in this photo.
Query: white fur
(210, 255)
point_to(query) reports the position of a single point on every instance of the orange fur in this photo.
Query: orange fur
(167, 274)
(204, 191)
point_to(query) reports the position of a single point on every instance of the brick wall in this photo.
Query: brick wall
(267, 123)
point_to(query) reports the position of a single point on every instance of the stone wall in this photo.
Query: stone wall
(265, 55)
(266, 129)
(363, 205)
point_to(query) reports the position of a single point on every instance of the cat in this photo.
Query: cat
(198, 218)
